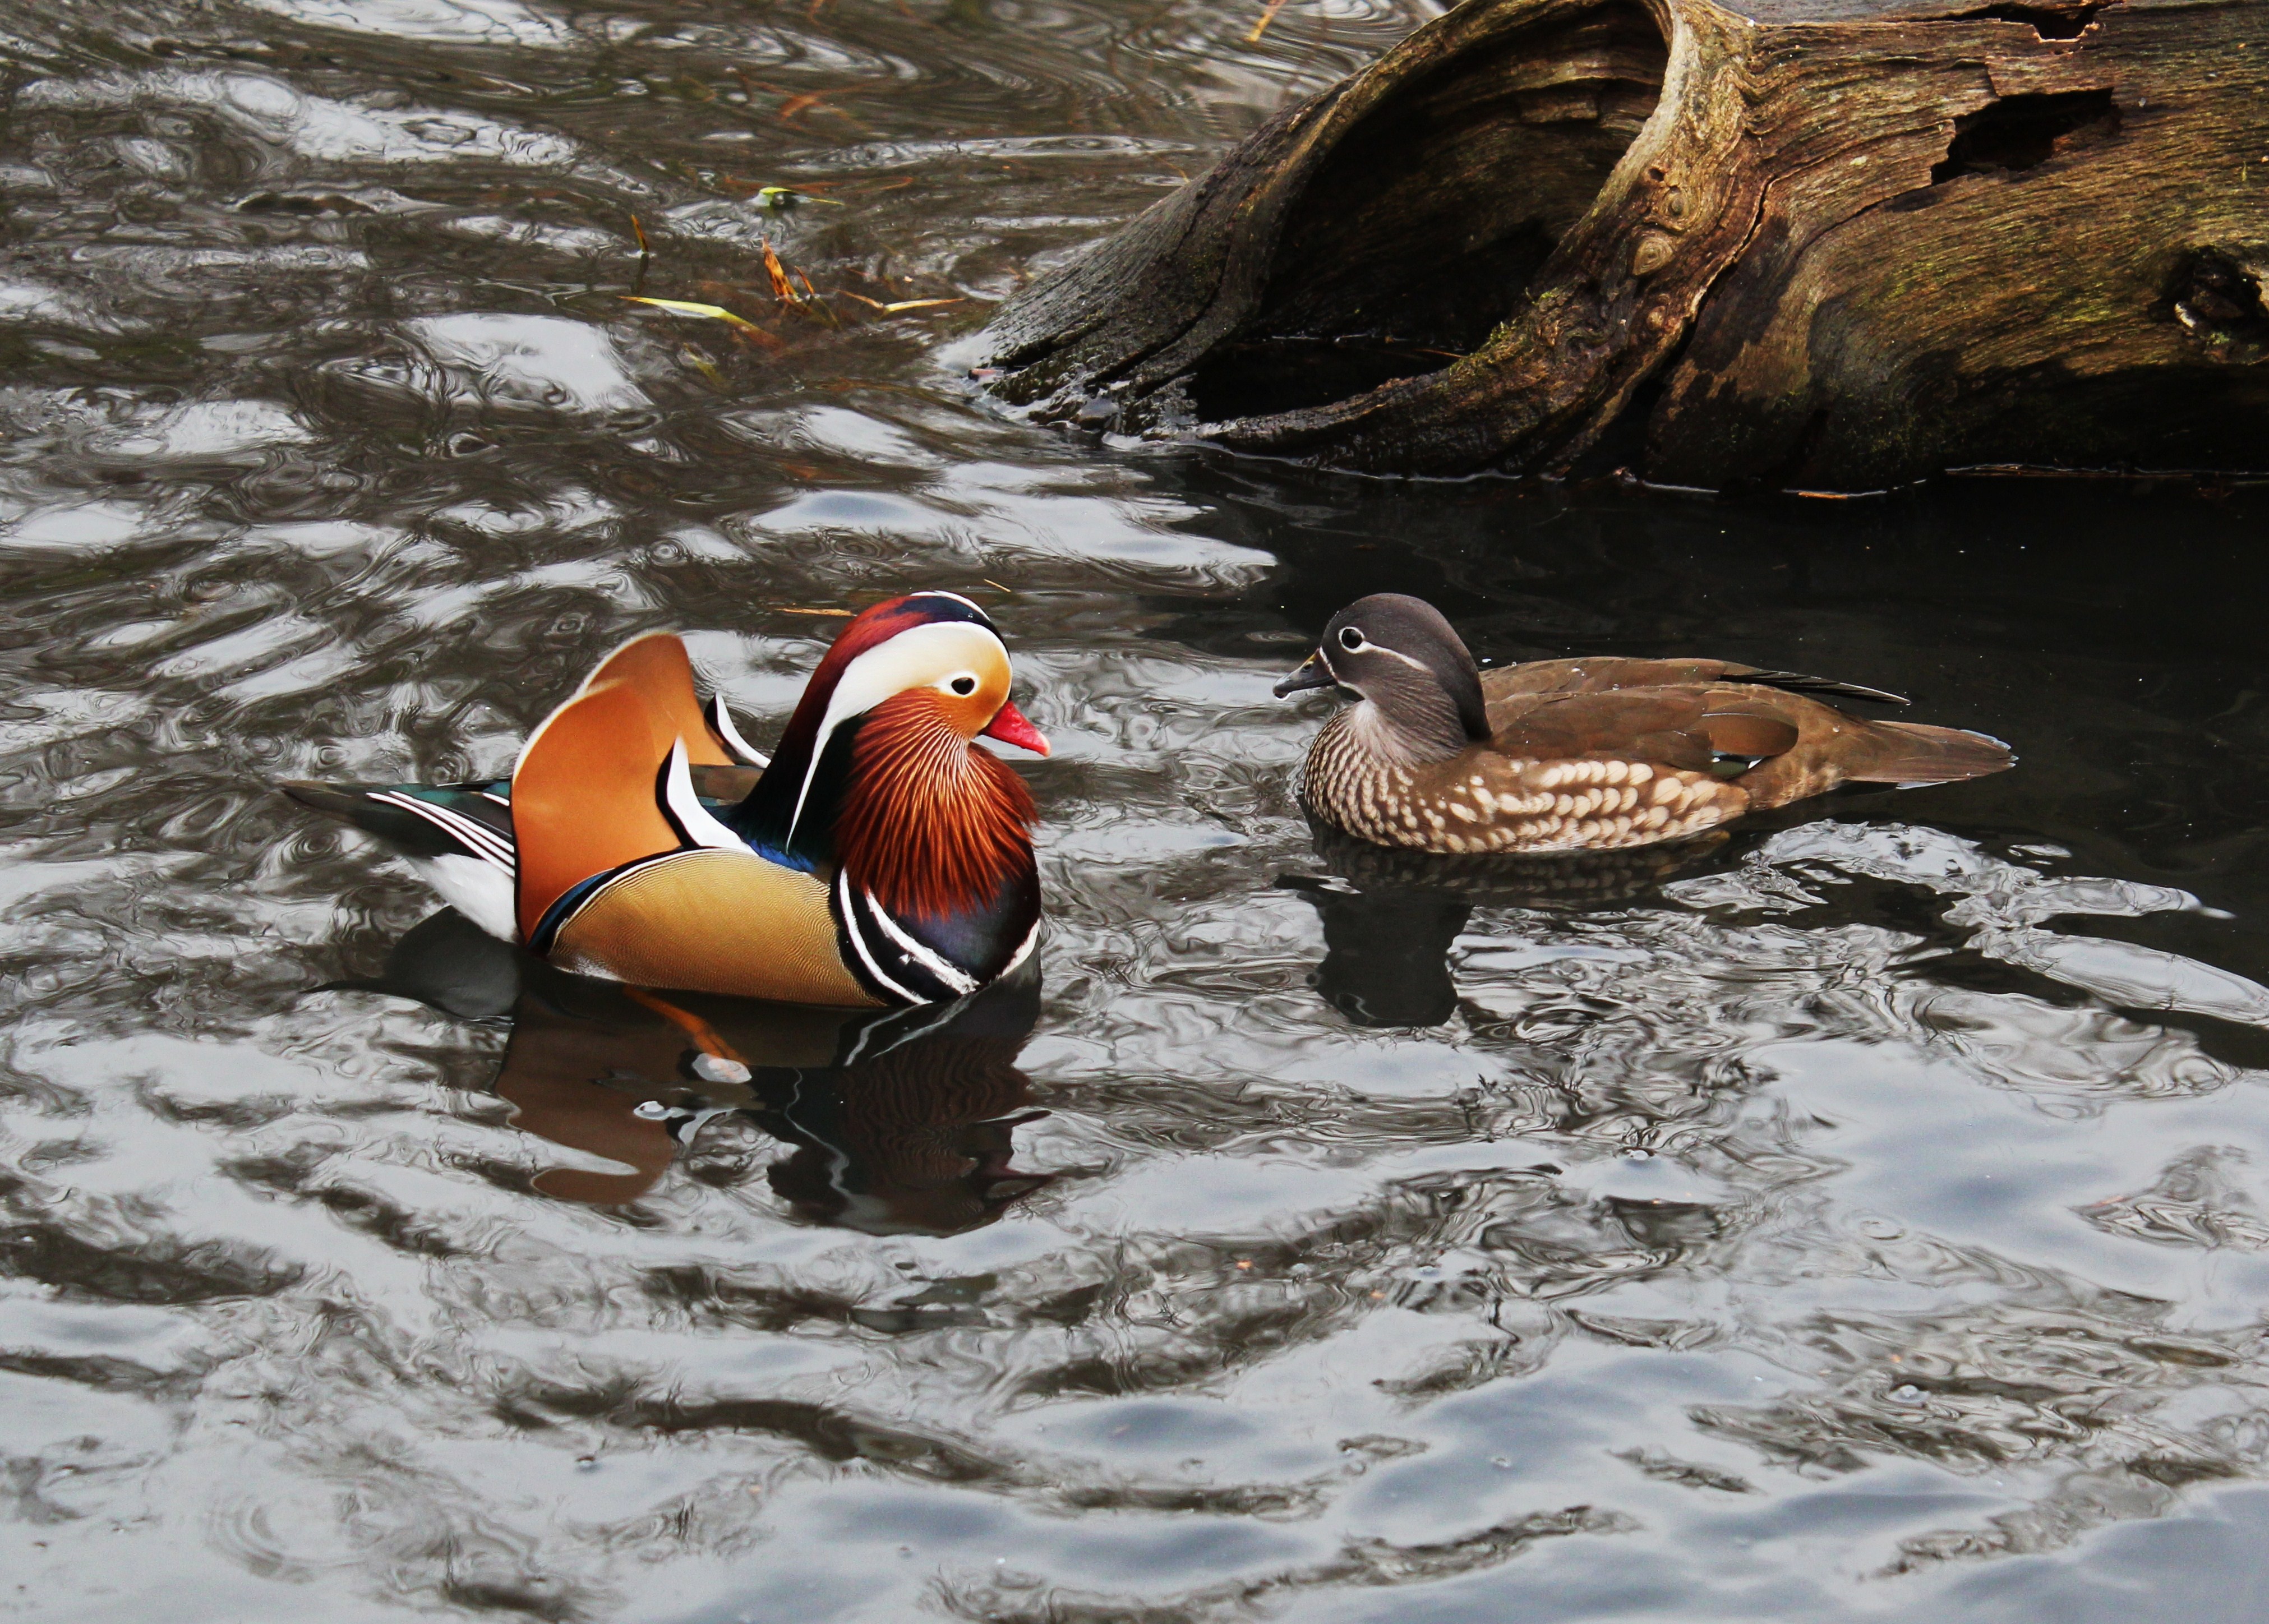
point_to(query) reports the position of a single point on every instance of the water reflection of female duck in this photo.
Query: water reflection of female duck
(901, 1120)
(1391, 917)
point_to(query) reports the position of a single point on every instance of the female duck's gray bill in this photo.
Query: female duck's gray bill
(1310, 673)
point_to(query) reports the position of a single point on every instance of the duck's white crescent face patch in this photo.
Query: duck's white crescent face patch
(918, 657)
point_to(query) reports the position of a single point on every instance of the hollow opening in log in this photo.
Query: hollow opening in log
(2050, 21)
(2220, 297)
(1419, 231)
(2021, 132)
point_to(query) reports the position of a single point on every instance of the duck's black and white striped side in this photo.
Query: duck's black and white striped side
(458, 838)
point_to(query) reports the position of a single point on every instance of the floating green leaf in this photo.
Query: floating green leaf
(787, 197)
(709, 313)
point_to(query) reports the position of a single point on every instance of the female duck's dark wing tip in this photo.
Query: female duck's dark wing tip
(1817, 687)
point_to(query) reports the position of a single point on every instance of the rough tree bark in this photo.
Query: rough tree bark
(1810, 243)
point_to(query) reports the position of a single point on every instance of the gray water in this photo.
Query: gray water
(1859, 1217)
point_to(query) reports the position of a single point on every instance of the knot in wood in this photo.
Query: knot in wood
(1652, 252)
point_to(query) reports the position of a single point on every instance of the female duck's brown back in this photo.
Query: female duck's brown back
(1697, 720)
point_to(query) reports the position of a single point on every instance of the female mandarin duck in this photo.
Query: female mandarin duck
(1582, 755)
(881, 856)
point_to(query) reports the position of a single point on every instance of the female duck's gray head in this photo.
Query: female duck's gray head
(1399, 653)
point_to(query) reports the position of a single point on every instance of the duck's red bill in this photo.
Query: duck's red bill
(1011, 727)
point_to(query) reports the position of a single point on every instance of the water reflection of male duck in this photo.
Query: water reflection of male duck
(879, 858)
(901, 1119)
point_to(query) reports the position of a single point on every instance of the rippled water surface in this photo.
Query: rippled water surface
(1865, 1216)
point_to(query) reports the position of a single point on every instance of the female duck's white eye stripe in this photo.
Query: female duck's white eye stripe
(1395, 654)
(915, 658)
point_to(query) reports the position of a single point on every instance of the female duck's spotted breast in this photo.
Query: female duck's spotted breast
(1351, 782)
(1479, 802)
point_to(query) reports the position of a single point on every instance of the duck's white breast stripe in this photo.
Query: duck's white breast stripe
(859, 942)
(1023, 949)
(951, 975)
(479, 839)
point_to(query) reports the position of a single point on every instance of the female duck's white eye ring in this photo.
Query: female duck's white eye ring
(964, 684)
(1350, 638)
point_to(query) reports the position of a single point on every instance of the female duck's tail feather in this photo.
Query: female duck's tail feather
(1916, 753)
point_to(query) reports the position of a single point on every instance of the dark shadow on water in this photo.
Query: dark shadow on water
(900, 1121)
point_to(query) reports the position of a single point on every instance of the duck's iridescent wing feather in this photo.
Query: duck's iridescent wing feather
(458, 837)
(724, 786)
(420, 820)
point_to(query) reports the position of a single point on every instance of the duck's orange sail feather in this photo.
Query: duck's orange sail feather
(583, 796)
(659, 667)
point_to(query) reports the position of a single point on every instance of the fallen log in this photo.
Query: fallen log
(1783, 243)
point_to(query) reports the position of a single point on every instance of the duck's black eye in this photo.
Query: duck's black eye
(963, 685)
(1349, 637)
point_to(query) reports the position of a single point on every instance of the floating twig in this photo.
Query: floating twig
(1267, 18)
(783, 290)
(645, 256)
(904, 303)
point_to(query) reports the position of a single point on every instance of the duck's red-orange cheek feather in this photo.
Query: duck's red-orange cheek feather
(1011, 727)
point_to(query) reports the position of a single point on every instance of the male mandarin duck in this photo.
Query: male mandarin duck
(1582, 755)
(881, 856)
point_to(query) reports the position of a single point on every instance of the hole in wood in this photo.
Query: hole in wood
(2050, 22)
(2220, 298)
(1419, 231)
(2022, 132)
